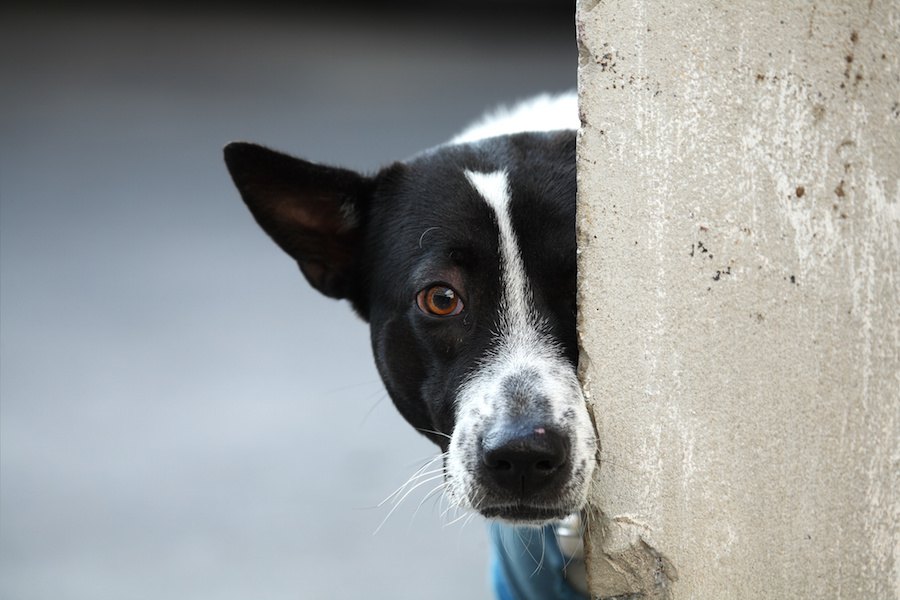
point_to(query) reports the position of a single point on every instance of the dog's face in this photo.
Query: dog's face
(463, 262)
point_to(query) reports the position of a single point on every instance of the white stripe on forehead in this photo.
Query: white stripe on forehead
(516, 308)
(493, 187)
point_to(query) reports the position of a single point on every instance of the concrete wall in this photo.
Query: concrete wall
(739, 226)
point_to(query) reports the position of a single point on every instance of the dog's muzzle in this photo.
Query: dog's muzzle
(523, 447)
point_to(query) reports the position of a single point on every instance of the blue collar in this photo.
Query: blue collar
(527, 564)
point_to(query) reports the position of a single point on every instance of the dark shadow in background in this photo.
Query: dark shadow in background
(180, 416)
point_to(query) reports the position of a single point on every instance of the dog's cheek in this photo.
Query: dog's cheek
(460, 469)
(400, 363)
(436, 393)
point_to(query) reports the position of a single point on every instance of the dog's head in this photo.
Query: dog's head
(463, 262)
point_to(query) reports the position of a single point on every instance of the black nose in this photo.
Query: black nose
(523, 459)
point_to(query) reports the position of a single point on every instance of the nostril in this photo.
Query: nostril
(544, 465)
(496, 461)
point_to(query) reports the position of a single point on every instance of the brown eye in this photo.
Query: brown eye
(440, 301)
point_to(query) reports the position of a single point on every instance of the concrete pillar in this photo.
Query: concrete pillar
(739, 289)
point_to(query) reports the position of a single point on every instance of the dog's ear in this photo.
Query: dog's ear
(313, 212)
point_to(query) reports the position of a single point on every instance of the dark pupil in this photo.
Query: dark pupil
(443, 299)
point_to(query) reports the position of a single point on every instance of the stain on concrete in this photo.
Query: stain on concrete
(700, 249)
(839, 190)
(818, 113)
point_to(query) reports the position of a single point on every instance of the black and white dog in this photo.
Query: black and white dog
(462, 259)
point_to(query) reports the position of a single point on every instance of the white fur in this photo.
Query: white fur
(541, 113)
(517, 311)
(522, 347)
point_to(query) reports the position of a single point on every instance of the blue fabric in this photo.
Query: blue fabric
(516, 553)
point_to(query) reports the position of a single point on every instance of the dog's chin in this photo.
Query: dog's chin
(520, 514)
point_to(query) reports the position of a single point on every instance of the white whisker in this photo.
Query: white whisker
(441, 433)
(409, 481)
(418, 474)
(448, 509)
(525, 545)
(457, 519)
(543, 551)
(402, 498)
(437, 488)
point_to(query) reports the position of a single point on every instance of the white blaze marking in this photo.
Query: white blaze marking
(516, 311)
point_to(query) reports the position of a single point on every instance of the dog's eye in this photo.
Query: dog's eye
(440, 301)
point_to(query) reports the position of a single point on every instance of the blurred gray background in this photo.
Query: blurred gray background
(180, 415)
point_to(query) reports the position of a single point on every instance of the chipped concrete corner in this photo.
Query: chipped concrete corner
(739, 282)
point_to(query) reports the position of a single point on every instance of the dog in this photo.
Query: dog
(462, 259)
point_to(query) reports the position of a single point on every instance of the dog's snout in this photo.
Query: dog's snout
(523, 460)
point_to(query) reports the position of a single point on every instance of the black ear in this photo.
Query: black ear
(314, 212)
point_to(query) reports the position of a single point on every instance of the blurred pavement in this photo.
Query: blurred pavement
(180, 415)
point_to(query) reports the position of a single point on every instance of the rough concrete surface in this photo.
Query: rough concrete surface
(739, 227)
